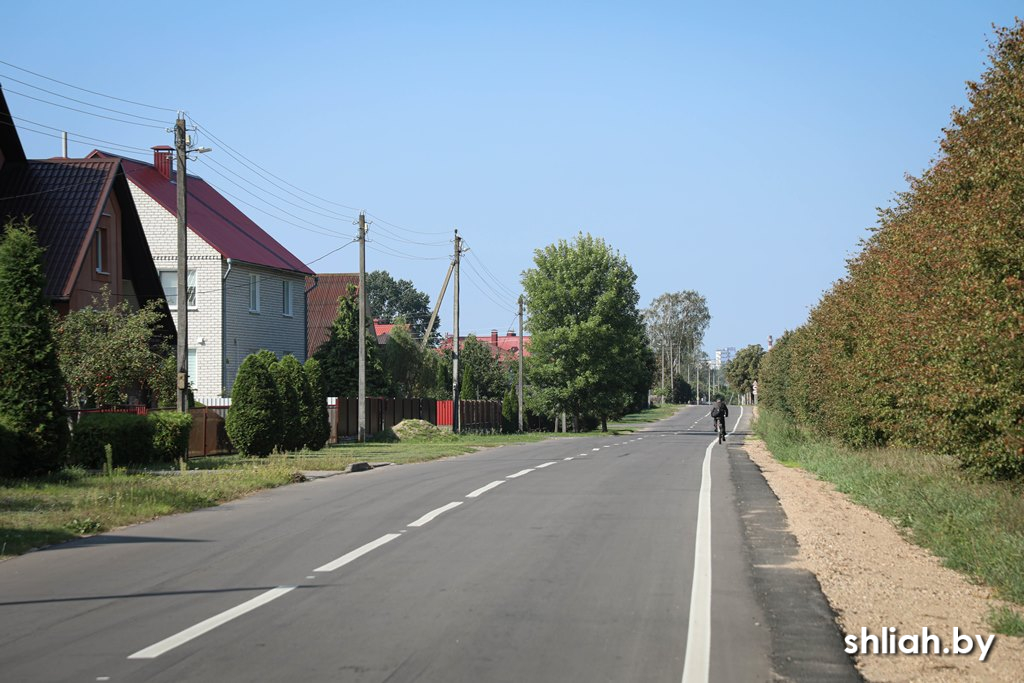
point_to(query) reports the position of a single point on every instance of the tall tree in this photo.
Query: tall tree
(676, 322)
(31, 387)
(390, 299)
(741, 371)
(588, 344)
(339, 355)
(484, 375)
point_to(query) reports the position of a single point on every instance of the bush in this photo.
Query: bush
(170, 434)
(316, 426)
(253, 422)
(130, 438)
(288, 378)
(14, 446)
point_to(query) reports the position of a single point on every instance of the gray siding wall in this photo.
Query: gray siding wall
(247, 332)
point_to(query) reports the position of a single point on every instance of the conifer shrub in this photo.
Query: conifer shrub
(288, 377)
(171, 432)
(130, 438)
(316, 426)
(14, 445)
(31, 385)
(253, 420)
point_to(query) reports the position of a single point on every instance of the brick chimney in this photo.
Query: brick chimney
(494, 337)
(162, 157)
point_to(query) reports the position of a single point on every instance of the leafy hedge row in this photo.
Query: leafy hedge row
(922, 344)
(133, 439)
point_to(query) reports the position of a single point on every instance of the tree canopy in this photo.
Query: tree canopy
(741, 371)
(390, 299)
(588, 352)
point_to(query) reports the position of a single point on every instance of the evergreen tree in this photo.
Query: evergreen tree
(31, 386)
(253, 422)
(288, 378)
(339, 355)
(316, 425)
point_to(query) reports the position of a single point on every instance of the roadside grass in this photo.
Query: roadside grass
(1007, 621)
(627, 423)
(976, 526)
(75, 502)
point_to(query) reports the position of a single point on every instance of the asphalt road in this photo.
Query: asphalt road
(569, 560)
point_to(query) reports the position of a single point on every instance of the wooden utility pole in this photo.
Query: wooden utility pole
(362, 327)
(521, 351)
(456, 351)
(182, 178)
(437, 306)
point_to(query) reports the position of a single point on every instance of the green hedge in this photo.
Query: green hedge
(170, 434)
(921, 345)
(130, 438)
(14, 448)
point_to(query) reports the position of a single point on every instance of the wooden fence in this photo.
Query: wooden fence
(381, 414)
(474, 416)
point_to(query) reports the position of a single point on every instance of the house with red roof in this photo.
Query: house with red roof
(504, 347)
(245, 291)
(84, 217)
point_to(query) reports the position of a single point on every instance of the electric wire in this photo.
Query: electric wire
(73, 136)
(91, 92)
(88, 104)
(508, 291)
(82, 111)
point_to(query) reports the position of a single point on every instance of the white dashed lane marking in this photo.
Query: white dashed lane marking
(434, 513)
(484, 489)
(519, 473)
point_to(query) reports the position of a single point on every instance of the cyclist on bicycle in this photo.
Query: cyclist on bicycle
(719, 412)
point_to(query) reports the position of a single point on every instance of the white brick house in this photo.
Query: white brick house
(245, 291)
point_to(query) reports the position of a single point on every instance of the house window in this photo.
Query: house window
(254, 293)
(169, 281)
(100, 239)
(286, 298)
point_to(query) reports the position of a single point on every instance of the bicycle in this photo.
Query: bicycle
(720, 428)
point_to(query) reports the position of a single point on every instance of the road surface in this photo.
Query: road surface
(654, 556)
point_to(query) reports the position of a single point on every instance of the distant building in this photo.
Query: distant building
(723, 356)
(503, 346)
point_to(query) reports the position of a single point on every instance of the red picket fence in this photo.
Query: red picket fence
(484, 416)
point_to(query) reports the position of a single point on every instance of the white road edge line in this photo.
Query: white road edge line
(435, 513)
(202, 627)
(357, 553)
(698, 632)
(547, 464)
(519, 473)
(484, 489)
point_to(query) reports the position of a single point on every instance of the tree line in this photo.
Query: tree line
(922, 343)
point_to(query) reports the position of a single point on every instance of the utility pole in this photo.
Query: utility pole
(456, 352)
(521, 350)
(362, 327)
(182, 178)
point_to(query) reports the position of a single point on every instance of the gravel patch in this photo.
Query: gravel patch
(875, 578)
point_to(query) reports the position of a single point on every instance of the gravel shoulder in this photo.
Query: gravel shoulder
(874, 578)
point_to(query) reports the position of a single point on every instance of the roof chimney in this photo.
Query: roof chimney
(494, 337)
(162, 156)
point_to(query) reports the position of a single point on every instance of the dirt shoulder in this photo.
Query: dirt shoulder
(874, 578)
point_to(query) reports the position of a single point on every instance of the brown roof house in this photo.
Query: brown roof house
(322, 294)
(84, 217)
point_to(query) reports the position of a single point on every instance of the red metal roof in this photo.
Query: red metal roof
(322, 306)
(501, 345)
(210, 216)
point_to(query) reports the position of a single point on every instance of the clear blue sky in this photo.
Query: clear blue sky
(739, 149)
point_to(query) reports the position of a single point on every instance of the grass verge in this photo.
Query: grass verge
(975, 526)
(75, 503)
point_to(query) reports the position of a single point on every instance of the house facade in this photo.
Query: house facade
(84, 217)
(245, 291)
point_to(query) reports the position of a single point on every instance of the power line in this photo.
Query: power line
(82, 111)
(88, 104)
(399, 227)
(72, 137)
(91, 92)
(508, 290)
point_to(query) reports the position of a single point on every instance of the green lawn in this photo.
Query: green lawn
(74, 503)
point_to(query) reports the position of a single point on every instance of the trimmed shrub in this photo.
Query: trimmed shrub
(316, 425)
(170, 434)
(130, 438)
(288, 378)
(253, 422)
